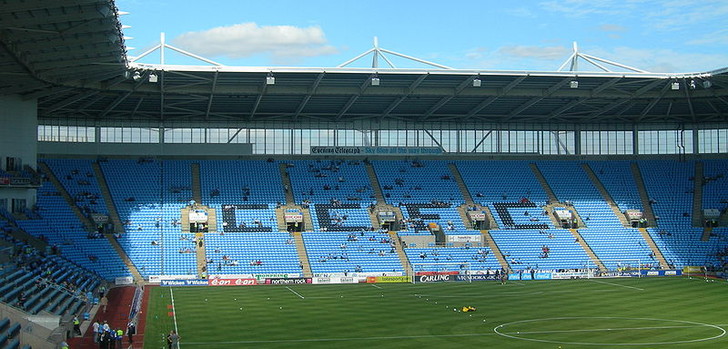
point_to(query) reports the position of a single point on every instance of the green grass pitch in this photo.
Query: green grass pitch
(673, 312)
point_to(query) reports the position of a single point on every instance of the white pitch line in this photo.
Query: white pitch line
(604, 329)
(376, 286)
(346, 339)
(174, 314)
(296, 293)
(613, 284)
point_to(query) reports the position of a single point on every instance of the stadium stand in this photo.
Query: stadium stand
(423, 190)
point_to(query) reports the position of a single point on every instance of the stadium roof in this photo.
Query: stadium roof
(70, 55)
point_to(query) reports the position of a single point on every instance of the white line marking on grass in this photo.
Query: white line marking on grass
(347, 339)
(296, 293)
(604, 329)
(690, 324)
(478, 295)
(174, 313)
(613, 284)
(376, 286)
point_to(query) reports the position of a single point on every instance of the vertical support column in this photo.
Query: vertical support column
(18, 139)
(577, 140)
(696, 140)
(635, 140)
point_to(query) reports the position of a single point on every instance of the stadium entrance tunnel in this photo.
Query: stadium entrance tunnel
(606, 331)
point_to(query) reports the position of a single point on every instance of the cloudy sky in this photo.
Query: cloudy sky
(654, 35)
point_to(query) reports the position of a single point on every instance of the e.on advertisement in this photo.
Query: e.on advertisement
(232, 282)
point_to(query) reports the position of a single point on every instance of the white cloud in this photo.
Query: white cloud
(535, 52)
(612, 28)
(581, 8)
(719, 37)
(549, 58)
(522, 11)
(663, 60)
(285, 44)
(674, 15)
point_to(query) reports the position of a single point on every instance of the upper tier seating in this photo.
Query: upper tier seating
(226, 182)
(420, 181)
(617, 179)
(501, 181)
(325, 181)
(79, 180)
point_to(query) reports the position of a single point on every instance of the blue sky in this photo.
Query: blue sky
(657, 36)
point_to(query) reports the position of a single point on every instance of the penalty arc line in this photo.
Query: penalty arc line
(296, 293)
(604, 329)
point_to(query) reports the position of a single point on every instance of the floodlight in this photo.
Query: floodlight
(692, 84)
(375, 81)
(477, 82)
(153, 77)
(270, 79)
(675, 86)
(707, 84)
(137, 76)
(573, 84)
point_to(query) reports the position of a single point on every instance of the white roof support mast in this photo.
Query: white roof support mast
(378, 52)
(163, 45)
(601, 63)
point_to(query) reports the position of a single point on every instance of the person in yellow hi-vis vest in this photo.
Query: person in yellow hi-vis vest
(119, 337)
(76, 326)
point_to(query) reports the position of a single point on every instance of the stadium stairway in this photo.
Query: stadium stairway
(200, 252)
(644, 197)
(385, 207)
(287, 187)
(462, 210)
(125, 258)
(196, 186)
(544, 184)
(655, 250)
(104, 187)
(185, 218)
(588, 249)
(374, 183)
(281, 218)
(400, 252)
(302, 254)
(118, 226)
(697, 217)
(605, 194)
(87, 223)
(496, 250)
(461, 185)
